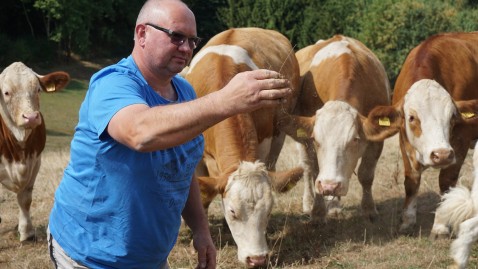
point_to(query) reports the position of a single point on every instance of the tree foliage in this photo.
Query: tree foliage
(105, 29)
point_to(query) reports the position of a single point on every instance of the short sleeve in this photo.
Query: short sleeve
(110, 94)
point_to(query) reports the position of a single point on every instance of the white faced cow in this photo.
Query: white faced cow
(23, 133)
(438, 124)
(342, 81)
(239, 149)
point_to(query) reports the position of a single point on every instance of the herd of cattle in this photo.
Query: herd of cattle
(341, 110)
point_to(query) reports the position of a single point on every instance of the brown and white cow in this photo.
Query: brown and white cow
(435, 133)
(342, 81)
(23, 133)
(435, 97)
(239, 149)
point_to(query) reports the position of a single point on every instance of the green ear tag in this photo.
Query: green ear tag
(468, 115)
(384, 121)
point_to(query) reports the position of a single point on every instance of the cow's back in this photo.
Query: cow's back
(264, 49)
(227, 54)
(341, 68)
(451, 59)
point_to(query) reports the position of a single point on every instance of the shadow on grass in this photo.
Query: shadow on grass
(294, 239)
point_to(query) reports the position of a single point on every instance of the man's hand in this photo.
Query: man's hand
(206, 251)
(250, 90)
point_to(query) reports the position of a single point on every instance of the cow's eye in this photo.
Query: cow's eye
(411, 118)
(232, 212)
(317, 144)
(6, 93)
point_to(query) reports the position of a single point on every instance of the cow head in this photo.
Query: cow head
(340, 135)
(339, 143)
(428, 114)
(20, 96)
(247, 199)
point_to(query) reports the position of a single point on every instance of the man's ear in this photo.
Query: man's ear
(381, 123)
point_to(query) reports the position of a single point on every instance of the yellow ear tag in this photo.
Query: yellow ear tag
(301, 133)
(467, 115)
(50, 87)
(384, 121)
(289, 186)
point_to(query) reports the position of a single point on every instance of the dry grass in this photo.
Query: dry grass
(345, 242)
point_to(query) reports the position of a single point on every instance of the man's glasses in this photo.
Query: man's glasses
(177, 38)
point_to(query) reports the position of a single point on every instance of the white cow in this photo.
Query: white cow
(459, 209)
(23, 133)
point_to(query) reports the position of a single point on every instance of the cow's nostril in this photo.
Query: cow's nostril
(442, 156)
(256, 261)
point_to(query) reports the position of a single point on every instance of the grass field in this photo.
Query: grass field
(348, 241)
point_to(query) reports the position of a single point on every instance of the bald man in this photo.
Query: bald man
(138, 140)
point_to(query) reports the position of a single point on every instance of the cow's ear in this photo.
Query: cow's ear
(298, 127)
(54, 81)
(381, 123)
(210, 187)
(284, 181)
(468, 110)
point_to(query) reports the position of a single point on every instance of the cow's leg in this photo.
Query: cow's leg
(448, 178)
(25, 227)
(312, 204)
(460, 248)
(276, 146)
(409, 214)
(366, 173)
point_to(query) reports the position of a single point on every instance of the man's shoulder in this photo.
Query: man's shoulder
(119, 72)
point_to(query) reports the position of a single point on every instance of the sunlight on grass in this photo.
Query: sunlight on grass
(60, 111)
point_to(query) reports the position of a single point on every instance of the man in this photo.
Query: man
(136, 146)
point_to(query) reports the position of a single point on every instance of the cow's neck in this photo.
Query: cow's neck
(238, 142)
(20, 134)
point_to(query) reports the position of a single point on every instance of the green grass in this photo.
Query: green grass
(60, 111)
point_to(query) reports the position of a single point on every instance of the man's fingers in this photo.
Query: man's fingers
(275, 83)
(274, 94)
(266, 74)
(202, 259)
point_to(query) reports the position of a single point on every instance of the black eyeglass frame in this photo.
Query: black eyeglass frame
(177, 38)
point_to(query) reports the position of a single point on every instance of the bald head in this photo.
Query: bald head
(153, 10)
(164, 12)
(155, 51)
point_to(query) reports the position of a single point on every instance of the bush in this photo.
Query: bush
(392, 28)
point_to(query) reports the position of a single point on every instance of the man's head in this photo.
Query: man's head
(165, 37)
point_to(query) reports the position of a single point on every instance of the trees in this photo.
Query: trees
(105, 29)
(390, 28)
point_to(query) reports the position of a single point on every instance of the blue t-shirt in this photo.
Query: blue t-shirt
(116, 207)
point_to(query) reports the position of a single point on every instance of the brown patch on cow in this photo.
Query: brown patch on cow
(285, 180)
(210, 187)
(414, 123)
(10, 148)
